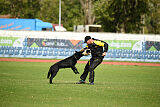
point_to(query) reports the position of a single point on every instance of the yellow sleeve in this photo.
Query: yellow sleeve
(99, 43)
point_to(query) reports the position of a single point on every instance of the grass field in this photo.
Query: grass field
(24, 84)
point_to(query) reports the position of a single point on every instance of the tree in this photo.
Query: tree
(121, 15)
(153, 19)
(49, 11)
(4, 7)
(87, 6)
(20, 8)
(71, 13)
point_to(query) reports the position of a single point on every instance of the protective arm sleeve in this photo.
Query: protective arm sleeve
(105, 47)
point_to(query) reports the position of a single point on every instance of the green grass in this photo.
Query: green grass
(24, 84)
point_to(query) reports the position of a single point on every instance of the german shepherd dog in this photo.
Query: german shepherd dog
(69, 62)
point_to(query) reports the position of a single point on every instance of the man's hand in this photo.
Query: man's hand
(104, 54)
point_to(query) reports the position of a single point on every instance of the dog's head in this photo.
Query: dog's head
(79, 54)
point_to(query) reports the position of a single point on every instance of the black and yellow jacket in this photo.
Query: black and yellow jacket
(97, 48)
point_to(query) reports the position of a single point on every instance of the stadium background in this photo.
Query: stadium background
(58, 45)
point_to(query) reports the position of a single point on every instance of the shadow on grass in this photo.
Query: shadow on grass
(74, 83)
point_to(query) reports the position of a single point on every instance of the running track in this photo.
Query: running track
(53, 61)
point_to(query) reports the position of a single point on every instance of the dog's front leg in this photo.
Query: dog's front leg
(75, 70)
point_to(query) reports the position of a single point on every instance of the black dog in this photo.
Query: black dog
(69, 62)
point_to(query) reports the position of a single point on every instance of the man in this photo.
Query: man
(98, 51)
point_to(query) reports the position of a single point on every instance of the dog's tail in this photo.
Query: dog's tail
(49, 73)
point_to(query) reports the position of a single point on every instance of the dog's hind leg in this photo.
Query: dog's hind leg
(50, 71)
(55, 69)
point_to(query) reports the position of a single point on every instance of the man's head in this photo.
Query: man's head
(88, 40)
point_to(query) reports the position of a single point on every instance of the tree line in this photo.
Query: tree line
(127, 16)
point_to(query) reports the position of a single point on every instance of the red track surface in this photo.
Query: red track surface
(110, 63)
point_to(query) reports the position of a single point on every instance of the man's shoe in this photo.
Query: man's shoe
(92, 83)
(81, 82)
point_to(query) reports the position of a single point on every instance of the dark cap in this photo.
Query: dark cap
(86, 39)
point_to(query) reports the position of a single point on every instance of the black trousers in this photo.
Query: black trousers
(89, 68)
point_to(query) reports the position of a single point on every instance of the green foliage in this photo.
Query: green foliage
(4, 7)
(20, 8)
(72, 14)
(114, 15)
(49, 11)
(24, 84)
(153, 21)
(104, 15)
(121, 15)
